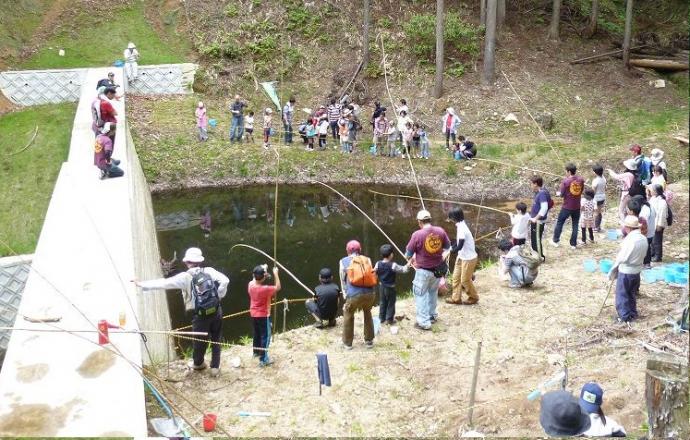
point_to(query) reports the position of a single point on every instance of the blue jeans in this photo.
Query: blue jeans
(262, 337)
(425, 149)
(236, 125)
(627, 287)
(288, 132)
(425, 290)
(574, 215)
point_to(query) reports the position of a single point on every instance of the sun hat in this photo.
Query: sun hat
(423, 215)
(631, 222)
(591, 397)
(201, 104)
(450, 110)
(636, 149)
(130, 45)
(193, 255)
(561, 415)
(656, 156)
(353, 246)
(106, 127)
(325, 274)
(630, 164)
(268, 110)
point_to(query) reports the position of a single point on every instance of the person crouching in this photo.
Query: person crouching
(324, 306)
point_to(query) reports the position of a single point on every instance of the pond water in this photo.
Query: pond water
(314, 224)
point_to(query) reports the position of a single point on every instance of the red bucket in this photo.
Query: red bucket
(209, 422)
(103, 332)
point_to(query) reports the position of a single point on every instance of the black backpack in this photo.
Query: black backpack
(204, 294)
(636, 187)
(669, 216)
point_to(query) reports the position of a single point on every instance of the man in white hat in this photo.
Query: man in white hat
(131, 55)
(427, 251)
(202, 290)
(626, 269)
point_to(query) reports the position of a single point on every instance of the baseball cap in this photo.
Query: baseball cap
(259, 271)
(591, 397)
(423, 215)
(325, 273)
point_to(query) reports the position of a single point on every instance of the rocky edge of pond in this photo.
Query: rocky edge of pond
(440, 186)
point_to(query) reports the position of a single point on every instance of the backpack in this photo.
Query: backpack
(645, 170)
(205, 294)
(636, 187)
(549, 200)
(532, 260)
(360, 273)
(96, 115)
(669, 216)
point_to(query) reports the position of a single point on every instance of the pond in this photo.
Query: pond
(314, 224)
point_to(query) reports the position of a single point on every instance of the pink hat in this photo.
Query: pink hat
(353, 246)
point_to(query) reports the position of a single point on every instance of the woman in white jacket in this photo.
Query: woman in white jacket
(450, 123)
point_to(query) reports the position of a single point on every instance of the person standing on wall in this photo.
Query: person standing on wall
(427, 252)
(236, 121)
(202, 290)
(131, 55)
(571, 190)
(288, 116)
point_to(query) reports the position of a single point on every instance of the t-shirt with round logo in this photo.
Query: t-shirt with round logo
(428, 244)
(571, 191)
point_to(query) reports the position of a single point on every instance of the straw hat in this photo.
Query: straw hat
(630, 164)
(631, 222)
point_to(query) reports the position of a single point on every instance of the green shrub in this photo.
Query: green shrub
(460, 38)
(456, 70)
(384, 22)
(210, 50)
(231, 10)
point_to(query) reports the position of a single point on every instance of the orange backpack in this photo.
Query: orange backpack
(360, 273)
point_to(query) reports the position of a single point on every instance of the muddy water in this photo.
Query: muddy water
(313, 226)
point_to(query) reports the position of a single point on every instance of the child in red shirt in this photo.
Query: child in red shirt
(260, 295)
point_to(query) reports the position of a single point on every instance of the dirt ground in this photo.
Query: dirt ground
(417, 383)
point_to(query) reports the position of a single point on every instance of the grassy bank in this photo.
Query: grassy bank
(165, 136)
(98, 39)
(28, 175)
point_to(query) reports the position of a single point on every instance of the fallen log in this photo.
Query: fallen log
(601, 55)
(659, 64)
(682, 140)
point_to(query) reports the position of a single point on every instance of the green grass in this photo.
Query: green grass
(19, 20)
(28, 177)
(100, 40)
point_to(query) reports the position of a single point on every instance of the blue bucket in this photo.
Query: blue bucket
(605, 265)
(612, 234)
(649, 276)
(212, 123)
(118, 63)
(590, 265)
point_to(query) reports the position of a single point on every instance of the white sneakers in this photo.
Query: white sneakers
(554, 244)
(215, 372)
(191, 365)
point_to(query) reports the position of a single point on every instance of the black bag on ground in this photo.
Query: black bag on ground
(205, 294)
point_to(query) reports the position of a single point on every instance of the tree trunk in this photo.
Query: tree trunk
(482, 12)
(666, 394)
(628, 33)
(367, 19)
(659, 64)
(593, 18)
(438, 81)
(490, 44)
(500, 15)
(555, 20)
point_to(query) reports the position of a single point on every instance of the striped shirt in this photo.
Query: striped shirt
(334, 112)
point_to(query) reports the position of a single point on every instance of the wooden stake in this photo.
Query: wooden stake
(475, 374)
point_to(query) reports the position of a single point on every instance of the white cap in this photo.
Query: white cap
(193, 255)
(451, 110)
(268, 110)
(423, 215)
(106, 127)
(130, 45)
(201, 104)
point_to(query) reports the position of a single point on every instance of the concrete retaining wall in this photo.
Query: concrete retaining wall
(97, 236)
(35, 87)
(14, 272)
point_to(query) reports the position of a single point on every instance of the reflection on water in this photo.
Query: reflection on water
(313, 226)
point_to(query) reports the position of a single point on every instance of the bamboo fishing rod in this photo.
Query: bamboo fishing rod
(409, 159)
(147, 332)
(277, 263)
(515, 166)
(275, 225)
(440, 201)
(365, 215)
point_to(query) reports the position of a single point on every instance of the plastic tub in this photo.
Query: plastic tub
(649, 276)
(669, 275)
(612, 234)
(680, 278)
(605, 265)
(212, 122)
(590, 265)
(118, 63)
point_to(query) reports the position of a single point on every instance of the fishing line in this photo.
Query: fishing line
(516, 166)
(365, 215)
(439, 201)
(275, 225)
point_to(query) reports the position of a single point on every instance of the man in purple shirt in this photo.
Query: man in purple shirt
(103, 150)
(571, 190)
(427, 250)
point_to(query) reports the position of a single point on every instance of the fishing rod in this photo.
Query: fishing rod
(122, 331)
(516, 166)
(276, 263)
(440, 201)
(365, 215)
(275, 223)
